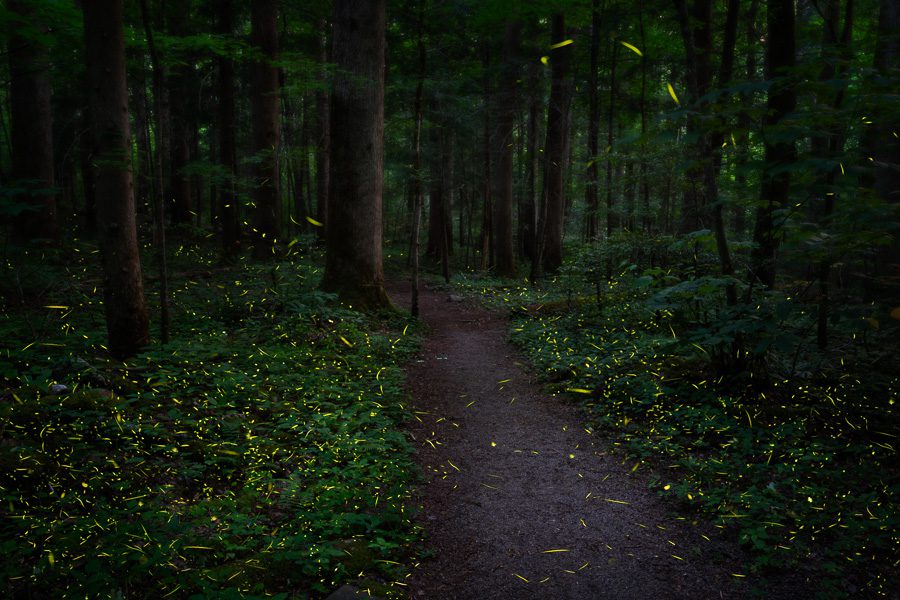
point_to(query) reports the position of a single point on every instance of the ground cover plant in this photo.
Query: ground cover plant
(794, 454)
(256, 455)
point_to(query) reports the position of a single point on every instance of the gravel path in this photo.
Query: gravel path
(521, 499)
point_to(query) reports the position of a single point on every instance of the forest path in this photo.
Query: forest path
(512, 474)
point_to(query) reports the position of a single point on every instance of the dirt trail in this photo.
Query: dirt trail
(518, 490)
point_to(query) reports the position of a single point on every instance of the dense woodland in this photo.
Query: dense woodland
(690, 210)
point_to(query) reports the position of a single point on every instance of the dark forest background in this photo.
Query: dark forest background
(689, 209)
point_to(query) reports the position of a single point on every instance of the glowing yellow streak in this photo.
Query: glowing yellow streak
(314, 222)
(556, 550)
(672, 93)
(561, 44)
(632, 48)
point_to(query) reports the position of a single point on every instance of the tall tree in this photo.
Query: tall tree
(780, 152)
(506, 107)
(323, 133)
(180, 83)
(123, 288)
(591, 193)
(353, 262)
(31, 126)
(417, 159)
(701, 196)
(880, 141)
(159, 93)
(557, 147)
(229, 212)
(265, 107)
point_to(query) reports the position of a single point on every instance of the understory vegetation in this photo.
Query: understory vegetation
(734, 411)
(259, 455)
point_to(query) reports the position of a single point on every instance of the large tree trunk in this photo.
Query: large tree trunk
(353, 265)
(505, 110)
(264, 103)
(779, 154)
(123, 288)
(229, 212)
(31, 129)
(557, 146)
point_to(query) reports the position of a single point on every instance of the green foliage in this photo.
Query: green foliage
(257, 455)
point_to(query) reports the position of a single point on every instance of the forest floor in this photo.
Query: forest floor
(522, 500)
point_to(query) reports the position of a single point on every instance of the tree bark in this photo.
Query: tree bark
(417, 163)
(591, 191)
(557, 146)
(353, 265)
(229, 212)
(123, 288)
(779, 154)
(179, 83)
(505, 110)
(31, 129)
(323, 141)
(266, 127)
(528, 220)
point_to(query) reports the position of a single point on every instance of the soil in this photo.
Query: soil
(522, 499)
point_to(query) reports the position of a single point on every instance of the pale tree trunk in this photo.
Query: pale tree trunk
(123, 288)
(353, 264)
(31, 130)
(556, 147)
(266, 126)
(506, 103)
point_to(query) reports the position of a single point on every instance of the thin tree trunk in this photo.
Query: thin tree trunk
(779, 154)
(229, 213)
(160, 212)
(266, 129)
(487, 210)
(323, 141)
(557, 145)
(591, 191)
(505, 110)
(180, 81)
(31, 128)
(417, 162)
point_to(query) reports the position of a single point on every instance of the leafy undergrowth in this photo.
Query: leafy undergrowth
(800, 466)
(256, 455)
